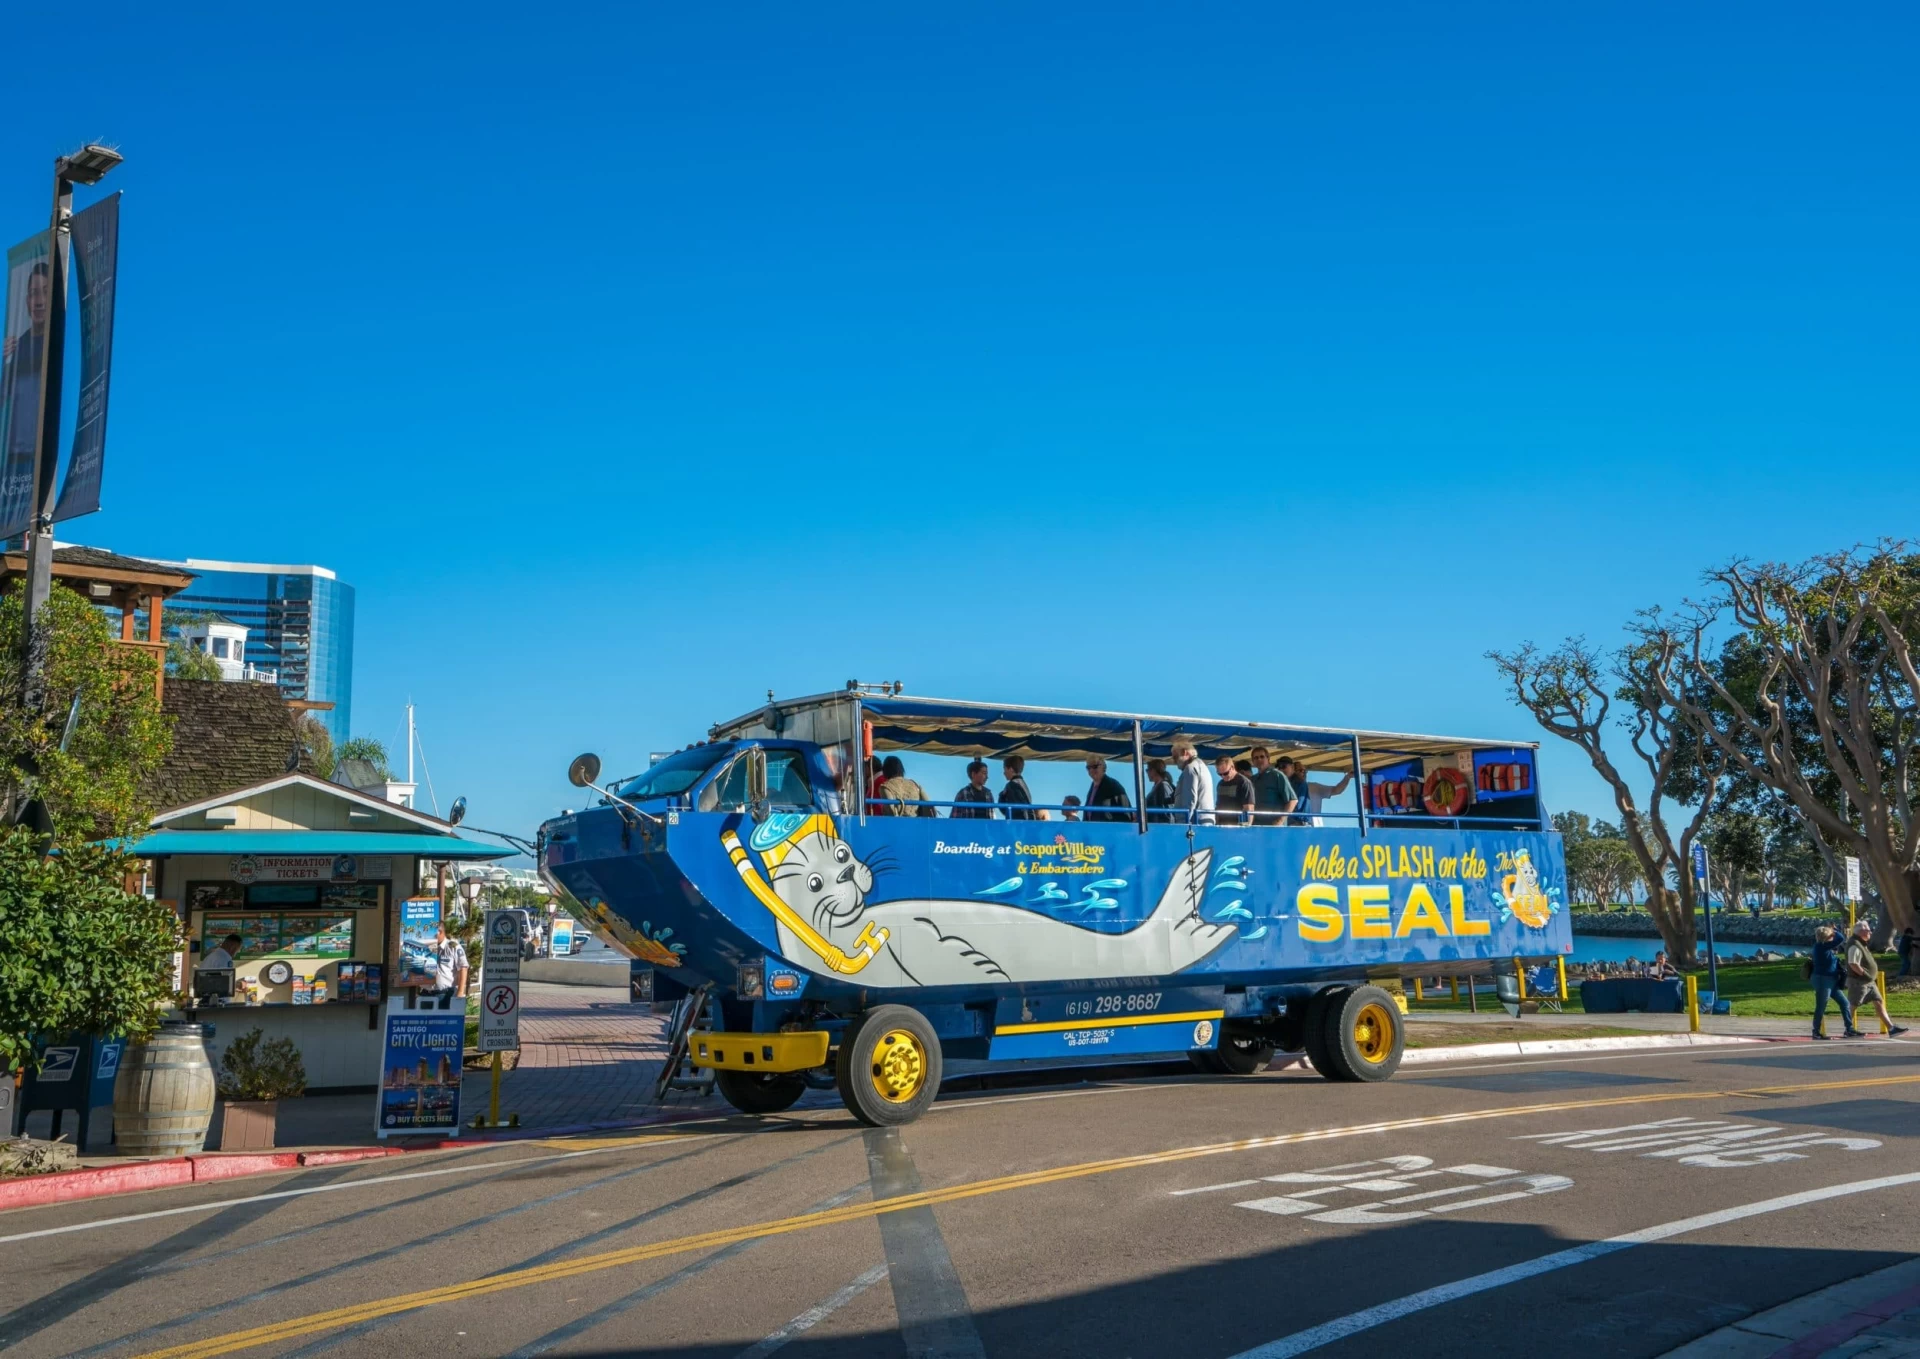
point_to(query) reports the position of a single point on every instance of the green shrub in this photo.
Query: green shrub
(256, 1067)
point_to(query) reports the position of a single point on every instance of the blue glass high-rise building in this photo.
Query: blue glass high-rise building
(300, 621)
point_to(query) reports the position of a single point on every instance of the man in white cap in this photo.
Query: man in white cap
(1862, 971)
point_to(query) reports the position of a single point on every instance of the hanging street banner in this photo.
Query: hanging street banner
(23, 362)
(500, 983)
(420, 1072)
(96, 254)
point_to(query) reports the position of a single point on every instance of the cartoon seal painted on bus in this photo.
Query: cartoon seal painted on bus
(816, 889)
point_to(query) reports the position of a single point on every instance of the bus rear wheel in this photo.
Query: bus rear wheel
(1363, 1035)
(754, 1092)
(889, 1066)
(1313, 1032)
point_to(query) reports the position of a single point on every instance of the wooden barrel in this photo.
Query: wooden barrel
(163, 1096)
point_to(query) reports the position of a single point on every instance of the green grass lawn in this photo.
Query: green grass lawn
(1753, 988)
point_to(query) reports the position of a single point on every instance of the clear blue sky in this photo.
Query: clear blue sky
(1269, 361)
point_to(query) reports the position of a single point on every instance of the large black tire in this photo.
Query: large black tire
(889, 1067)
(1364, 1035)
(1313, 1032)
(754, 1092)
(1242, 1050)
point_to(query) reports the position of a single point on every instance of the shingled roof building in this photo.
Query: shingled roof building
(225, 736)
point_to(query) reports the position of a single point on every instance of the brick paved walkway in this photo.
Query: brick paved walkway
(587, 1055)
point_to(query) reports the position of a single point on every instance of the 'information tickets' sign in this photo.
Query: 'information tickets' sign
(420, 1073)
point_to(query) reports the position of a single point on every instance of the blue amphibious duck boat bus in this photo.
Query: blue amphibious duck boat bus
(865, 950)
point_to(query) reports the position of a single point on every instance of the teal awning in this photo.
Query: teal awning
(427, 846)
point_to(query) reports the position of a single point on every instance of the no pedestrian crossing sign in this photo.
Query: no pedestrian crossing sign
(500, 983)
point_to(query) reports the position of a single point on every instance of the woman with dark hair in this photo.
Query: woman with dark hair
(901, 791)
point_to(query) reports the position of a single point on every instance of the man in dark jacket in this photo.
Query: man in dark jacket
(975, 791)
(1104, 791)
(1828, 981)
(1016, 797)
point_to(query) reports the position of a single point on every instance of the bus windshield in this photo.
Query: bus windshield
(673, 775)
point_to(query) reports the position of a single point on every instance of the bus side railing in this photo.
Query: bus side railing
(1161, 816)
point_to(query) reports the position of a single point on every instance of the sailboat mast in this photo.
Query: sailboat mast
(409, 743)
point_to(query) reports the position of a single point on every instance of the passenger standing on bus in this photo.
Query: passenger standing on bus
(1070, 807)
(1016, 797)
(902, 791)
(1159, 791)
(1273, 793)
(1233, 795)
(1194, 795)
(876, 775)
(975, 791)
(1104, 791)
(1314, 795)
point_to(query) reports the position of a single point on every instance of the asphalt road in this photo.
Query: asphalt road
(1615, 1205)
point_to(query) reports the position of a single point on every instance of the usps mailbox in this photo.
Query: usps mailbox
(75, 1074)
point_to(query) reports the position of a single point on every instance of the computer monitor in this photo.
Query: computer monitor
(213, 981)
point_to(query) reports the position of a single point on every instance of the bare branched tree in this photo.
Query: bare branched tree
(1572, 692)
(1825, 708)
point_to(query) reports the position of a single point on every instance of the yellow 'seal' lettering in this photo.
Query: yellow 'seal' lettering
(1320, 918)
(1367, 912)
(1457, 906)
(1422, 913)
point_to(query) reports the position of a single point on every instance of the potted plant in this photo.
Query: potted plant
(256, 1073)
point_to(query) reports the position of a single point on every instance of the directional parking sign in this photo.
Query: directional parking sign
(500, 983)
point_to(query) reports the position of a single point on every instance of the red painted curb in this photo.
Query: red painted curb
(235, 1164)
(339, 1158)
(88, 1184)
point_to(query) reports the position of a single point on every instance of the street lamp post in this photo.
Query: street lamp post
(88, 165)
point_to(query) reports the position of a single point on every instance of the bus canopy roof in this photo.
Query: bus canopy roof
(946, 726)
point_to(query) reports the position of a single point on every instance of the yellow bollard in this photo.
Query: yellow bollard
(1693, 1003)
(1419, 991)
(1520, 971)
(1561, 964)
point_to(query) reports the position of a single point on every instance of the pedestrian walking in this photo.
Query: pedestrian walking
(1863, 977)
(1828, 978)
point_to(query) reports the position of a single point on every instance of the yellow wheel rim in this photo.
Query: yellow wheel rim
(899, 1066)
(1373, 1033)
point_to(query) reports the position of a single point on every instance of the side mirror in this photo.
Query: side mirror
(584, 772)
(757, 783)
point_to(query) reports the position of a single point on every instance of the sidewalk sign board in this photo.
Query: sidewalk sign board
(560, 939)
(419, 950)
(500, 983)
(420, 1073)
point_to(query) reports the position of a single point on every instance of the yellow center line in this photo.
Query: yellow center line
(613, 1259)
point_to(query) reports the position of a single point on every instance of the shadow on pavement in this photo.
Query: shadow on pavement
(1635, 1303)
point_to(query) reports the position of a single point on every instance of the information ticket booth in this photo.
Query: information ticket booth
(311, 876)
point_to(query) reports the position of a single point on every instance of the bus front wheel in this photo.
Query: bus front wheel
(889, 1067)
(753, 1092)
